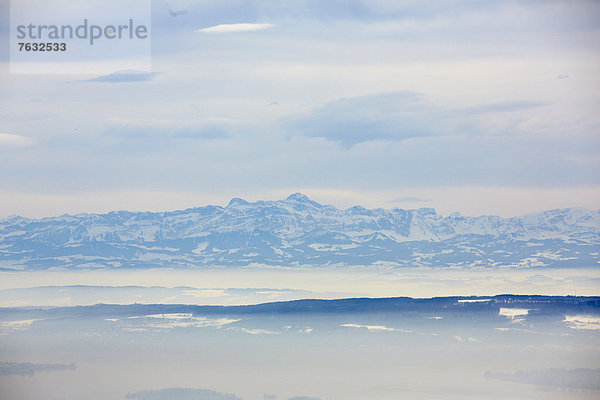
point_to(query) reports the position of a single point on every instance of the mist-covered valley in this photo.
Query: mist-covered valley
(500, 347)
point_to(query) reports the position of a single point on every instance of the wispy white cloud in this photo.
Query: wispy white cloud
(7, 139)
(235, 28)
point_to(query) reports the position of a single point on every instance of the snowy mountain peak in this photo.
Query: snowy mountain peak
(236, 201)
(300, 198)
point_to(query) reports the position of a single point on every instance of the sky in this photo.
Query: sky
(471, 106)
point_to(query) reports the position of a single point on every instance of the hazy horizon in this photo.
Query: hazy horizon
(347, 204)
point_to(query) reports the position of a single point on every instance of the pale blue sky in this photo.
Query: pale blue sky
(470, 106)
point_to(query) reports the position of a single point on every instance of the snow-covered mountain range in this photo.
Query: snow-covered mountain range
(299, 231)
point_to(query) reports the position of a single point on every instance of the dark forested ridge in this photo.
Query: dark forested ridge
(537, 305)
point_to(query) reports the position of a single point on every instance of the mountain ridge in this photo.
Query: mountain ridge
(298, 231)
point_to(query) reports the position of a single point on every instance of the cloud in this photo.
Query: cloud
(181, 394)
(30, 369)
(507, 106)
(124, 76)
(581, 378)
(386, 116)
(235, 28)
(502, 107)
(157, 129)
(402, 115)
(7, 139)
